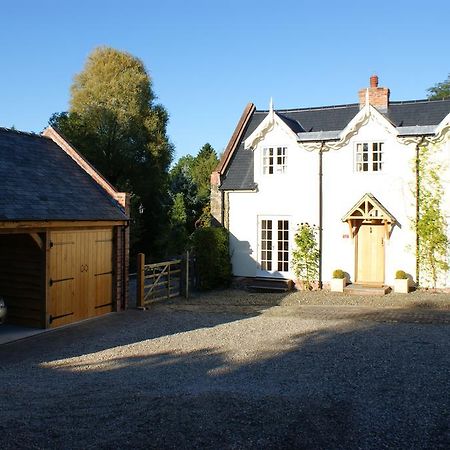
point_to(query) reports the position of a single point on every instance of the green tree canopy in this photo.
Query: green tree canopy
(114, 122)
(190, 178)
(440, 90)
(205, 162)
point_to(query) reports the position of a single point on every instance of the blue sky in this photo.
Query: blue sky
(208, 59)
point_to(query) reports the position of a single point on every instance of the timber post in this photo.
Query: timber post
(168, 280)
(140, 280)
(186, 294)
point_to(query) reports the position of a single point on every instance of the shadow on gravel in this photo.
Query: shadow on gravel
(114, 330)
(347, 385)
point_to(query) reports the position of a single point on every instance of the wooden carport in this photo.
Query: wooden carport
(63, 234)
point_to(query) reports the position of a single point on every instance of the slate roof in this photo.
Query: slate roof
(239, 174)
(419, 112)
(41, 182)
(240, 170)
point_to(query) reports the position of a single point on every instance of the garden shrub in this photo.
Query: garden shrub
(401, 275)
(212, 257)
(339, 273)
(306, 255)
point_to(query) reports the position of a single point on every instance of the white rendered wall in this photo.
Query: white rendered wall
(445, 152)
(292, 195)
(441, 156)
(392, 186)
(242, 228)
(295, 196)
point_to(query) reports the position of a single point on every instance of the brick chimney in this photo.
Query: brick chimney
(378, 96)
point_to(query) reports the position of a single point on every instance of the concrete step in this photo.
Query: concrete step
(365, 289)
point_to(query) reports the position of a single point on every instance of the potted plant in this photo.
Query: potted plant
(401, 282)
(339, 281)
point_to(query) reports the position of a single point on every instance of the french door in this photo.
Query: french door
(273, 248)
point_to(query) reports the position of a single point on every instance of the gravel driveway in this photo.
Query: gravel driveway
(233, 370)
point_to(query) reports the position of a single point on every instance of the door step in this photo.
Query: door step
(364, 289)
(270, 285)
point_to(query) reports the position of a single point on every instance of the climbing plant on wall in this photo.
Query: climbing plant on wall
(306, 256)
(430, 224)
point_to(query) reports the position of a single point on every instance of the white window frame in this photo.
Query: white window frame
(274, 160)
(374, 156)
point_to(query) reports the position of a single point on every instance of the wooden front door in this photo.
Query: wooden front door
(81, 276)
(370, 254)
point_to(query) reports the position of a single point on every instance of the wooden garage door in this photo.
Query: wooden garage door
(80, 275)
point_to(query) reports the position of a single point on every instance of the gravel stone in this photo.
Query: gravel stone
(231, 369)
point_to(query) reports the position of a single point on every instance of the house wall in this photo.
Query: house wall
(440, 155)
(445, 156)
(392, 186)
(293, 195)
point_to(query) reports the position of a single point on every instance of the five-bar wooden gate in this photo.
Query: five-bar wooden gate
(161, 280)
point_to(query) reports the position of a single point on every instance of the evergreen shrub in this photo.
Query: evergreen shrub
(401, 275)
(339, 273)
(213, 261)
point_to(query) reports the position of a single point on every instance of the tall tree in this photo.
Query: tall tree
(190, 179)
(205, 162)
(113, 120)
(182, 184)
(440, 90)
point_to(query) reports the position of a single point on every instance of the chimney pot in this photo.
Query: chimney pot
(374, 81)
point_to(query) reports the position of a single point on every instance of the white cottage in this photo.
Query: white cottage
(348, 169)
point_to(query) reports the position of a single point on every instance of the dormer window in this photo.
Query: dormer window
(369, 157)
(274, 160)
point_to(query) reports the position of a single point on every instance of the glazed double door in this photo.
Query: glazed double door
(81, 275)
(273, 247)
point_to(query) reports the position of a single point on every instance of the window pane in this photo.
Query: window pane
(267, 160)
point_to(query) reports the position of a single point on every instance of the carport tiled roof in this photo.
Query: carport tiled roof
(238, 175)
(41, 182)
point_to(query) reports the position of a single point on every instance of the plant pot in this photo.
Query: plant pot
(401, 286)
(338, 284)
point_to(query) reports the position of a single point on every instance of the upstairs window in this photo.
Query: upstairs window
(369, 157)
(274, 160)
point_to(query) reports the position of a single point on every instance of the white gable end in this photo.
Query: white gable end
(442, 133)
(272, 122)
(367, 115)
